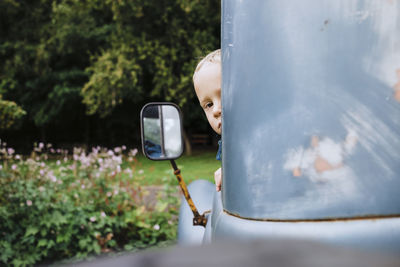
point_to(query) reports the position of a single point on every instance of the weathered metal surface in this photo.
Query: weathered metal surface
(311, 112)
(381, 234)
(201, 192)
(369, 234)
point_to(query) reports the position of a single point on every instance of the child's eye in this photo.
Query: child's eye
(208, 105)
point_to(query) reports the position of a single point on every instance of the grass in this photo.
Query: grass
(200, 165)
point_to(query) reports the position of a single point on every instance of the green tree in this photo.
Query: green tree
(10, 113)
(81, 69)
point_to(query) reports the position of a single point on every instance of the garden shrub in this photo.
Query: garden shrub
(92, 203)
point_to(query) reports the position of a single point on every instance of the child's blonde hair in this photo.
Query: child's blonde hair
(213, 57)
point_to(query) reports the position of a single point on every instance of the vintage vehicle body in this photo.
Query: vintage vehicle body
(311, 125)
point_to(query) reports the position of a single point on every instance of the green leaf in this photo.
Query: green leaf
(161, 206)
(42, 243)
(83, 243)
(32, 230)
(96, 247)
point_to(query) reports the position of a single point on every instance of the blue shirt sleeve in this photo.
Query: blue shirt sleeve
(219, 153)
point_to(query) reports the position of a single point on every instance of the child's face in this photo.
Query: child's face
(207, 84)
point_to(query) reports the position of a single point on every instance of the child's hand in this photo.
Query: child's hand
(218, 179)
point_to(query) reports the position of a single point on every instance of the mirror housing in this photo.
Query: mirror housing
(161, 130)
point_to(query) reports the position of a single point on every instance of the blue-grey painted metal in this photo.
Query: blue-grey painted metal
(311, 124)
(201, 192)
(368, 234)
(380, 235)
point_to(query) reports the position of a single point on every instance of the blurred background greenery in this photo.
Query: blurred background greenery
(78, 72)
(73, 77)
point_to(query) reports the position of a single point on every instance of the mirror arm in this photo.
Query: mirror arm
(198, 219)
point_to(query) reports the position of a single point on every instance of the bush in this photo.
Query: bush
(71, 208)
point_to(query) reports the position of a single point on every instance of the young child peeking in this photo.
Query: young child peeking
(207, 84)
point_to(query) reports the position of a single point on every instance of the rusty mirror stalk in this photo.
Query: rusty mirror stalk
(197, 219)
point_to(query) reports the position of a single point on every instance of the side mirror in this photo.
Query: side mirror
(161, 131)
(162, 140)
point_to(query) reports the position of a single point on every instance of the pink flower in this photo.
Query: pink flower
(1, 167)
(83, 186)
(117, 159)
(17, 157)
(14, 167)
(41, 172)
(92, 219)
(156, 227)
(53, 178)
(58, 162)
(10, 151)
(123, 147)
(133, 152)
(29, 203)
(103, 214)
(41, 145)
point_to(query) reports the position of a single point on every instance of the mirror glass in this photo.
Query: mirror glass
(161, 131)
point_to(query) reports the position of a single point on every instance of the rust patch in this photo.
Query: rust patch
(322, 162)
(321, 165)
(314, 141)
(338, 219)
(297, 172)
(396, 87)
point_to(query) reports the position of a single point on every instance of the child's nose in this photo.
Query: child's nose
(217, 110)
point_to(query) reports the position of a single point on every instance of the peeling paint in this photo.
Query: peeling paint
(361, 15)
(322, 165)
(326, 22)
(322, 155)
(385, 55)
(396, 94)
(297, 172)
(323, 162)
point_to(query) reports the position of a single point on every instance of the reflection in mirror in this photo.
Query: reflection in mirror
(161, 126)
(172, 131)
(152, 131)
